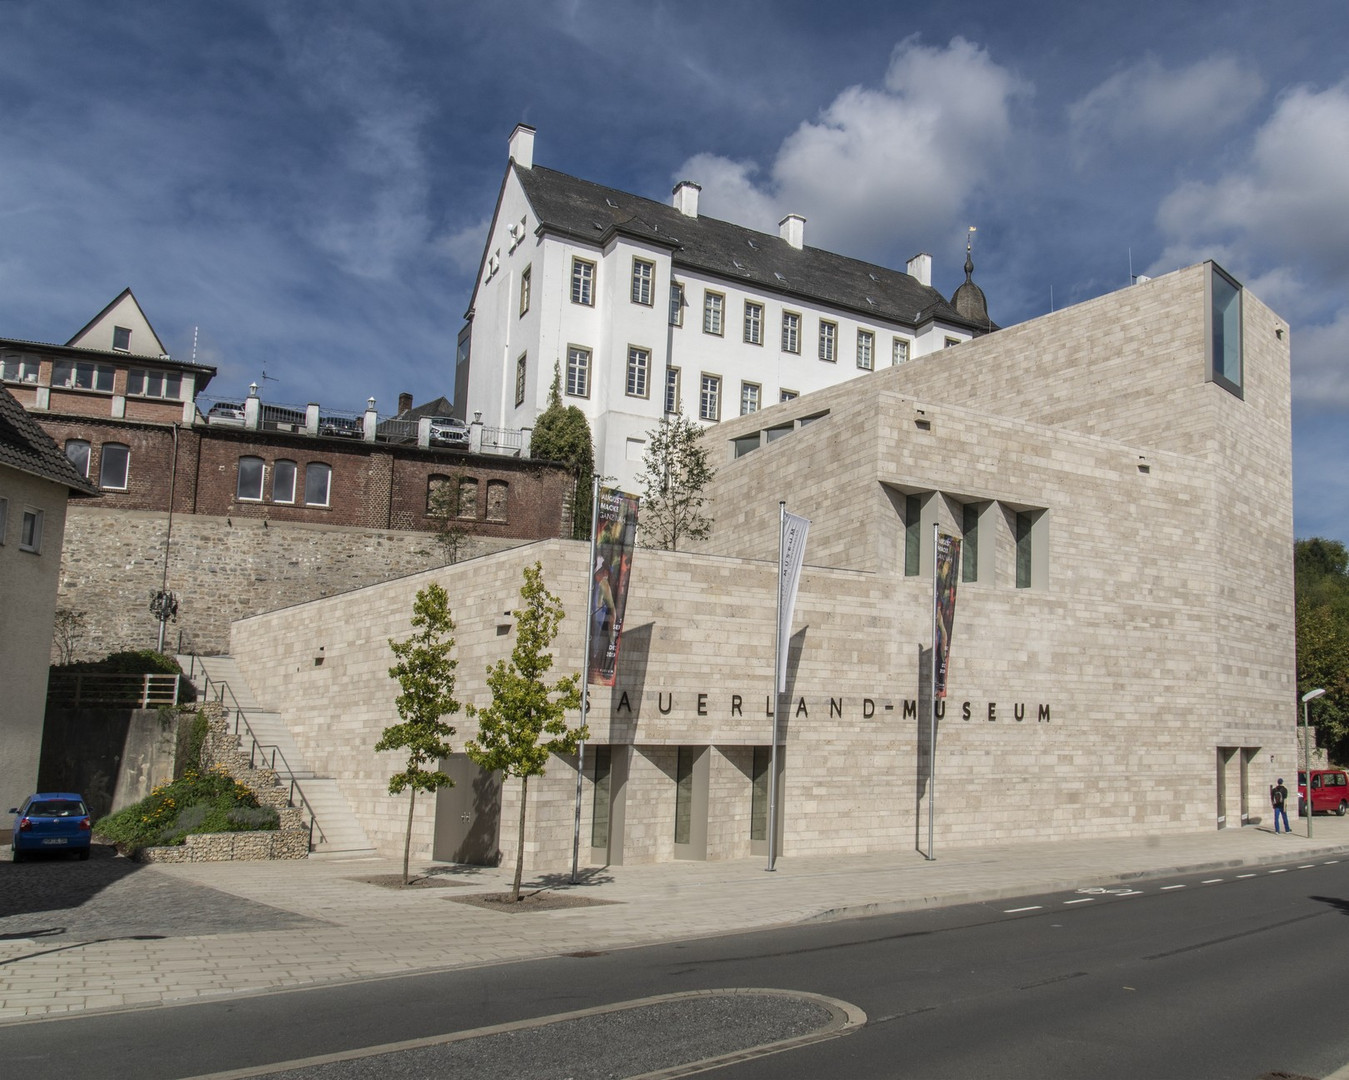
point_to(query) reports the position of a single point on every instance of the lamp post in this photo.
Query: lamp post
(1309, 696)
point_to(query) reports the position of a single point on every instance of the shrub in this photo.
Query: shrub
(198, 802)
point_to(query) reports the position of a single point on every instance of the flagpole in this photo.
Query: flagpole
(932, 695)
(777, 700)
(585, 676)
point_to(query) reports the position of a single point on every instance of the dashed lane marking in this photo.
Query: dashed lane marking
(1281, 870)
(1082, 900)
(1212, 881)
(1018, 910)
(1168, 888)
(1245, 875)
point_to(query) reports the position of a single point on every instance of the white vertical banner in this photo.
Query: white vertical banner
(794, 530)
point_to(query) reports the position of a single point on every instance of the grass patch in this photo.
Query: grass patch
(197, 802)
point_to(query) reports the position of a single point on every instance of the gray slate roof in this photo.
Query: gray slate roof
(26, 447)
(592, 213)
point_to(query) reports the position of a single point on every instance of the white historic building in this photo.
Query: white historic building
(646, 309)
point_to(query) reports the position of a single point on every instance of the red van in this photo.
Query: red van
(1330, 791)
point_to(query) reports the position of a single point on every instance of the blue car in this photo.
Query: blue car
(51, 821)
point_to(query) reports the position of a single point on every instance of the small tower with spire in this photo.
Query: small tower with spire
(968, 299)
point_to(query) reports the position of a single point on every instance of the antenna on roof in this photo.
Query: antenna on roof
(194, 343)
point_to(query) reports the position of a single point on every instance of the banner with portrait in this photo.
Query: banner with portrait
(615, 539)
(946, 573)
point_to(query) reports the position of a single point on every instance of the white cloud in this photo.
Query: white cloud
(1320, 372)
(901, 159)
(1148, 103)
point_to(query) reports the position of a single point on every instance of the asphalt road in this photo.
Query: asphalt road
(1235, 974)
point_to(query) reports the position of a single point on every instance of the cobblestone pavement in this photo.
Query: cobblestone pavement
(110, 934)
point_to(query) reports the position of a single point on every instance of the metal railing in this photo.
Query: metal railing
(499, 440)
(257, 748)
(87, 689)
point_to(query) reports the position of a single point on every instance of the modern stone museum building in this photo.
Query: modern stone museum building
(1123, 647)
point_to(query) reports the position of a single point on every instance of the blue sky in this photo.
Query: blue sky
(305, 187)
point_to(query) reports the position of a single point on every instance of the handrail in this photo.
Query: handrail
(113, 688)
(256, 745)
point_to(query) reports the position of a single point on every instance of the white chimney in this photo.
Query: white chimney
(920, 268)
(686, 197)
(792, 228)
(522, 146)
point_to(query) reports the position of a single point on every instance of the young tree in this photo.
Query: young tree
(562, 433)
(442, 508)
(68, 630)
(674, 473)
(425, 672)
(527, 718)
(1321, 576)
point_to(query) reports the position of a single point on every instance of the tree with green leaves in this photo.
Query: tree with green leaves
(562, 433)
(675, 471)
(1321, 583)
(442, 507)
(526, 721)
(425, 674)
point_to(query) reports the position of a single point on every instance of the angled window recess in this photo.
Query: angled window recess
(1222, 294)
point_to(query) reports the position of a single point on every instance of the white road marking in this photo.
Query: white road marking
(1211, 881)
(1016, 910)
(1283, 870)
(1083, 900)
(1245, 875)
(1168, 888)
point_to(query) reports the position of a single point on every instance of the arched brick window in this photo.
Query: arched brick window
(468, 497)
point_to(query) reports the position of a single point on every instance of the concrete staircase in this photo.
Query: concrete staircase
(337, 833)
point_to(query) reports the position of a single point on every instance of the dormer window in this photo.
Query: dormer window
(121, 339)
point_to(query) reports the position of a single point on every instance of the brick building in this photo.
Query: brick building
(359, 491)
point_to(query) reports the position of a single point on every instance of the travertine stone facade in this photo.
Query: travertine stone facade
(1134, 675)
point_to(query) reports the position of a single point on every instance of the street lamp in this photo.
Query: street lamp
(1309, 696)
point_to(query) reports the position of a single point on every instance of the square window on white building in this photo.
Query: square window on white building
(753, 323)
(578, 371)
(749, 398)
(583, 282)
(639, 365)
(121, 338)
(899, 353)
(643, 277)
(828, 335)
(709, 400)
(788, 395)
(713, 303)
(791, 332)
(866, 349)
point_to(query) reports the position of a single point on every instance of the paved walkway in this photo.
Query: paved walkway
(278, 925)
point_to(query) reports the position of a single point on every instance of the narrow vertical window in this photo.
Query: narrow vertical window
(671, 390)
(317, 484)
(900, 351)
(114, 466)
(599, 814)
(468, 497)
(758, 798)
(643, 277)
(913, 535)
(683, 795)
(639, 363)
(30, 531)
(676, 304)
(749, 398)
(753, 323)
(791, 332)
(1224, 331)
(712, 312)
(583, 282)
(828, 334)
(578, 371)
(969, 553)
(1024, 530)
(866, 349)
(498, 498)
(248, 486)
(525, 286)
(709, 400)
(521, 366)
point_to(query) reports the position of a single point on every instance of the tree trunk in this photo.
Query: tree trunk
(520, 842)
(407, 844)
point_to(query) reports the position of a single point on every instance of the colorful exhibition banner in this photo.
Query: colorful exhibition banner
(615, 538)
(944, 606)
(793, 549)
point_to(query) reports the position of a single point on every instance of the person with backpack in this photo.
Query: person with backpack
(1278, 796)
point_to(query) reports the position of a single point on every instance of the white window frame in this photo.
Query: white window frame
(255, 489)
(791, 332)
(578, 371)
(866, 350)
(828, 341)
(20, 369)
(103, 466)
(788, 395)
(68, 375)
(149, 383)
(676, 304)
(749, 398)
(709, 397)
(671, 391)
(82, 463)
(714, 312)
(121, 339)
(284, 468)
(521, 374)
(638, 383)
(753, 322)
(30, 530)
(317, 469)
(582, 281)
(643, 280)
(526, 285)
(899, 351)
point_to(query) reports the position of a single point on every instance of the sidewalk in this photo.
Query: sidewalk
(330, 925)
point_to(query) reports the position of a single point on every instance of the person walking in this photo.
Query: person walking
(1278, 796)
